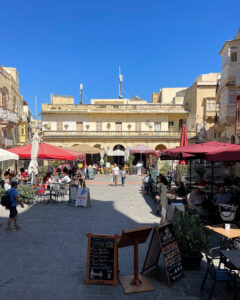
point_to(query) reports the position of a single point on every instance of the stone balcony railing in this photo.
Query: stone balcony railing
(119, 134)
(103, 108)
(8, 115)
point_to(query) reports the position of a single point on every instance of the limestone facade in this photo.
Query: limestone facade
(11, 104)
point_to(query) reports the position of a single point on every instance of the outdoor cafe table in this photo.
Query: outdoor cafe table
(233, 256)
(231, 233)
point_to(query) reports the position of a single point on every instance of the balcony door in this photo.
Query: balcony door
(157, 126)
(59, 126)
(99, 126)
(118, 126)
(79, 126)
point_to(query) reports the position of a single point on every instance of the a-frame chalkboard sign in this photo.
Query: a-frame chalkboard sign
(163, 241)
(102, 259)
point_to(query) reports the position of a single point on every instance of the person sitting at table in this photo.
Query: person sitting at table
(181, 191)
(56, 176)
(51, 179)
(7, 184)
(194, 200)
(66, 178)
(222, 197)
(24, 174)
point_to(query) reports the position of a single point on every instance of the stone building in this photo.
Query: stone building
(25, 128)
(114, 123)
(228, 89)
(11, 104)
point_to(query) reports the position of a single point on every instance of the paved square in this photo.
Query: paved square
(46, 258)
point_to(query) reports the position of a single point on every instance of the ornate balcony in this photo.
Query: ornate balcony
(111, 108)
(8, 116)
(115, 134)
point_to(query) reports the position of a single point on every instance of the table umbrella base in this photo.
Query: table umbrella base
(130, 286)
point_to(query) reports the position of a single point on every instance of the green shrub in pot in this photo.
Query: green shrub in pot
(192, 237)
(26, 193)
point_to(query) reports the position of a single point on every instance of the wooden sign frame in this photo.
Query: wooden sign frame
(115, 259)
(159, 251)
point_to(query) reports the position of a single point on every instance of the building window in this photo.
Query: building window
(99, 126)
(118, 126)
(138, 126)
(233, 56)
(170, 124)
(59, 126)
(157, 126)
(232, 97)
(22, 131)
(180, 124)
(211, 104)
(5, 100)
(79, 126)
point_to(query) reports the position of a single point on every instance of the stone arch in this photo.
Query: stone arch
(119, 147)
(97, 146)
(233, 139)
(75, 145)
(160, 147)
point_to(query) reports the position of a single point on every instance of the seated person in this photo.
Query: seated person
(180, 191)
(51, 179)
(24, 174)
(56, 176)
(194, 199)
(222, 197)
(7, 184)
(66, 178)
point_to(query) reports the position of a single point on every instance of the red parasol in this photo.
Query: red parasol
(47, 151)
(183, 142)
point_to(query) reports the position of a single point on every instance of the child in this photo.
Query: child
(123, 174)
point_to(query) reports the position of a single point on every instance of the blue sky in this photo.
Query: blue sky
(58, 44)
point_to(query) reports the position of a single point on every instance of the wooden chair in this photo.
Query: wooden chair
(219, 275)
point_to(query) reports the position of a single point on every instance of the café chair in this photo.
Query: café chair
(219, 275)
(41, 194)
(227, 212)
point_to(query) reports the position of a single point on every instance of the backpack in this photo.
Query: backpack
(6, 201)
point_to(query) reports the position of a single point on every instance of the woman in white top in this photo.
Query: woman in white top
(66, 178)
(7, 184)
(115, 173)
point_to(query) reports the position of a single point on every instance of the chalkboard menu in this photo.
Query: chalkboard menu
(163, 241)
(102, 259)
(171, 253)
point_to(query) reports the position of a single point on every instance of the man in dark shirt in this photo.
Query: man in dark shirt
(13, 194)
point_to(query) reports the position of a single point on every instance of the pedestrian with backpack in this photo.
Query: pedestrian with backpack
(14, 201)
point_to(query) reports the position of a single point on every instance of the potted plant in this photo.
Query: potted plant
(192, 237)
(164, 168)
(130, 164)
(181, 171)
(26, 193)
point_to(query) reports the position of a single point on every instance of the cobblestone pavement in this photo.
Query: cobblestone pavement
(46, 258)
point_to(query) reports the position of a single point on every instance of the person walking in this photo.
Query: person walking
(162, 199)
(123, 175)
(14, 198)
(115, 173)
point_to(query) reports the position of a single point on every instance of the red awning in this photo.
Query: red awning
(47, 151)
(212, 151)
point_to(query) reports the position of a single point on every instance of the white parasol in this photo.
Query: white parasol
(127, 153)
(33, 166)
(101, 155)
(7, 155)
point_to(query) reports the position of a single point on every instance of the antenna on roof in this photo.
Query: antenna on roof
(120, 83)
(81, 93)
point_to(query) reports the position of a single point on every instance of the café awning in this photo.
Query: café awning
(7, 155)
(116, 153)
(48, 152)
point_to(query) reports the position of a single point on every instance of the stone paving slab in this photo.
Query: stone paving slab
(46, 258)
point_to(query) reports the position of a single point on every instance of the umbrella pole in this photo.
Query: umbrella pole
(212, 165)
(190, 171)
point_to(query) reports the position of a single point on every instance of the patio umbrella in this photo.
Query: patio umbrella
(142, 149)
(117, 152)
(33, 166)
(127, 153)
(84, 148)
(101, 155)
(6, 155)
(48, 152)
(183, 142)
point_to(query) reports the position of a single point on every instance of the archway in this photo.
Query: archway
(119, 147)
(97, 146)
(160, 147)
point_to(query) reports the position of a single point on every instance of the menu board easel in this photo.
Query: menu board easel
(163, 241)
(133, 237)
(102, 259)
